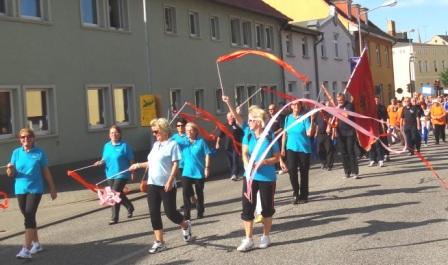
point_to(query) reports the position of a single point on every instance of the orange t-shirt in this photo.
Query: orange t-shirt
(435, 112)
(394, 115)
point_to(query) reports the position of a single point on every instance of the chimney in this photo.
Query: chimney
(355, 10)
(391, 28)
(364, 15)
(344, 5)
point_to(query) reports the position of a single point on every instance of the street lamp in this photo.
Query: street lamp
(389, 3)
(411, 60)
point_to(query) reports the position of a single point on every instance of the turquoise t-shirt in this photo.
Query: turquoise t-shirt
(29, 166)
(297, 140)
(180, 139)
(193, 155)
(266, 172)
(117, 158)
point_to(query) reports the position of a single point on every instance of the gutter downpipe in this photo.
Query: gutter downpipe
(316, 66)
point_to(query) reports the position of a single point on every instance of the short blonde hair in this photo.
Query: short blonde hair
(257, 113)
(192, 125)
(28, 131)
(162, 124)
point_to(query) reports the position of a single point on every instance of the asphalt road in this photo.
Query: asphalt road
(396, 214)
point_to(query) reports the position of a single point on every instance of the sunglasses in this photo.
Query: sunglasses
(180, 125)
(155, 132)
(252, 120)
(26, 137)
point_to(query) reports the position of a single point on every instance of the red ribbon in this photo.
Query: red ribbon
(191, 118)
(270, 56)
(82, 181)
(428, 165)
(5, 203)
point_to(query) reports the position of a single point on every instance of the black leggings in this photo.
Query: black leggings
(157, 195)
(187, 191)
(267, 191)
(28, 204)
(118, 185)
(302, 161)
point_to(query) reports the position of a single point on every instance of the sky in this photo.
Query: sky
(425, 16)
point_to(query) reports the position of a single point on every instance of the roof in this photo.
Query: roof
(256, 6)
(444, 37)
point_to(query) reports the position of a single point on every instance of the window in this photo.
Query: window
(325, 83)
(193, 18)
(247, 34)
(214, 28)
(235, 31)
(378, 54)
(89, 10)
(117, 14)
(420, 69)
(426, 66)
(292, 86)
(239, 95)
(219, 103)
(443, 65)
(263, 99)
(273, 99)
(305, 52)
(336, 45)
(122, 109)
(2, 7)
(386, 53)
(250, 93)
(349, 50)
(289, 44)
(335, 89)
(258, 36)
(269, 37)
(96, 101)
(307, 90)
(435, 66)
(323, 49)
(30, 8)
(175, 99)
(36, 102)
(6, 113)
(199, 98)
(170, 19)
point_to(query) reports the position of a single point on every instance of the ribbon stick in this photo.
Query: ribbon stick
(5, 203)
(177, 113)
(82, 168)
(113, 176)
(247, 100)
(3, 166)
(220, 79)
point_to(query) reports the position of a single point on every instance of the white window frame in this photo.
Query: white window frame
(173, 19)
(239, 97)
(194, 28)
(259, 36)
(291, 87)
(214, 28)
(130, 107)
(289, 44)
(16, 110)
(336, 45)
(236, 34)
(199, 97)
(305, 48)
(106, 101)
(88, 24)
(178, 93)
(246, 33)
(307, 89)
(50, 117)
(41, 11)
(269, 37)
(123, 15)
(250, 90)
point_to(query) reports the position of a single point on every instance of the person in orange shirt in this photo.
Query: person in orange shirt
(393, 119)
(438, 119)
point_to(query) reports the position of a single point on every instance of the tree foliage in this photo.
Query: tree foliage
(444, 78)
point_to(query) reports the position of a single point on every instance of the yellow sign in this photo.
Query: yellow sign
(148, 109)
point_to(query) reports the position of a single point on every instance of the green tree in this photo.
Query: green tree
(444, 78)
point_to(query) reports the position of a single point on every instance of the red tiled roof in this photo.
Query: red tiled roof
(256, 6)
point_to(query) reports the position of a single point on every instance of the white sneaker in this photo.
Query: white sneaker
(380, 163)
(355, 176)
(281, 172)
(246, 245)
(265, 241)
(36, 247)
(186, 233)
(371, 163)
(234, 178)
(24, 254)
(157, 247)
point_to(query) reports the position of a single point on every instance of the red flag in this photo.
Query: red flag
(360, 87)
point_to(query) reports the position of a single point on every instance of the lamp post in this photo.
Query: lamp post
(389, 3)
(411, 60)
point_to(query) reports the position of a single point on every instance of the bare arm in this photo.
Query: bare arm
(232, 110)
(174, 169)
(207, 166)
(49, 178)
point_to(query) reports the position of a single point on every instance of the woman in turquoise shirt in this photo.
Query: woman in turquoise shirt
(29, 165)
(117, 157)
(264, 180)
(296, 145)
(196, 157)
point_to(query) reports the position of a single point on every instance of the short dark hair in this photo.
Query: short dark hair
(181, 120)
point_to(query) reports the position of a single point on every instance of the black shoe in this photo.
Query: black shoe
(296, 200)
(329, 169)
(130, 213)
(112, 222)
(302, 201)
(200, 215)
